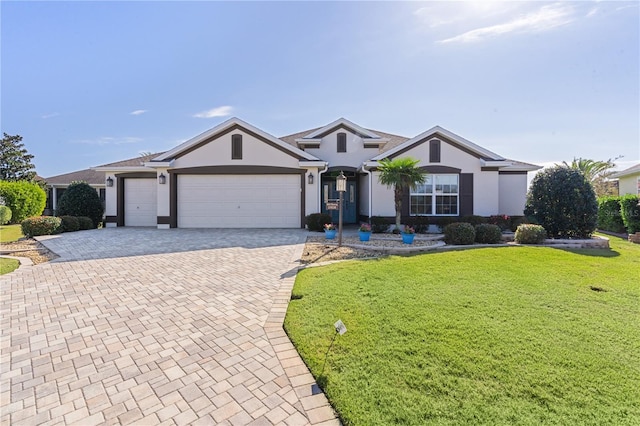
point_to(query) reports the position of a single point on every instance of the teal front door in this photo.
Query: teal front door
(349, 199)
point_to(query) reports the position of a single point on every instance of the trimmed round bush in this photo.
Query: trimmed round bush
(459, 233)
(5, 215)
(473, 219)
(85, 223)
(379, 224)
(517, 221)
(530, 234)
(41, 225)
(316, 221)
(562, 200)
(80, 199)
(488, 234)
(69, 224)
(25, 199)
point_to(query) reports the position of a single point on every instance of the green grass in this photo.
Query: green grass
(494, 336)
(10, 233)
(8, 265)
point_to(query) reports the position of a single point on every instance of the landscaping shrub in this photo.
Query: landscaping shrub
(459, 233)
(80, 199)
(473, 219)
(25, 199)
(487, 233)
(563, 202)
(69, 224)
(419, 223)
(85, 223)
(41, 225)
(530, 234)
(316, 221)
(501, 220)
(610, 215)
(630, 212)
(5, 215)
(379, 224)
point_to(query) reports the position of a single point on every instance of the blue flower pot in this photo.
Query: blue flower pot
(330, 234)
(364, 236)
(408, 238)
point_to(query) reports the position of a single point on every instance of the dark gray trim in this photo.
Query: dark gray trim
(309, 146)
(232, 129)
(111, 219)
(347, 128)
(507, 172)
(120, 184)
(137, 175)
(442, 138)
(489, 169)
(341, 168)
(236, 146)
(439, 169)
(230, 170)
(164, 220)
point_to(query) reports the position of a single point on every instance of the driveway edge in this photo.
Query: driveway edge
(316, 407)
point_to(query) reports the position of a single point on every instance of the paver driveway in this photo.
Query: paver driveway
(146, 326)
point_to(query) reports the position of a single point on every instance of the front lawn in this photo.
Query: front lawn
(513, 335)
(8, 265)
(10, 233)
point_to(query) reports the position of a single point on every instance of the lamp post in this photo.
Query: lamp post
(341, 187)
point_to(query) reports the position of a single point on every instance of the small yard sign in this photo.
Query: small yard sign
(340, 327)
(333, 206)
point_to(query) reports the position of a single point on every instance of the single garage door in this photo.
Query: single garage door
(239, 201)
(140, 201)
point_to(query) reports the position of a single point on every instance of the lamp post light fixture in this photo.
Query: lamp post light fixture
(162, 179)
(341, 187)
(109, 181)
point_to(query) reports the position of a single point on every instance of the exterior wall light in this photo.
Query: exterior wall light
(310, 179)
(109, 181)
(162, 179)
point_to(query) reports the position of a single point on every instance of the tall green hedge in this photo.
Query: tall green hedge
(630, 212)
(609, 215)
(24, 198)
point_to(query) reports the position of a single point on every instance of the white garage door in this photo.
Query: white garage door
(239, 201)
(140, 201)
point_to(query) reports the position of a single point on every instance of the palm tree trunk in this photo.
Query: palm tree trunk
(398, 202)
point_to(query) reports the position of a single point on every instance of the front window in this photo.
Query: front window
(438, 196)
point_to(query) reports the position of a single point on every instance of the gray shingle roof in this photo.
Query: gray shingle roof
(394, 140)
(137, 161)
(90, 176)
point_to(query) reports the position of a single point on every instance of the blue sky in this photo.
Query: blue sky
(87, 83)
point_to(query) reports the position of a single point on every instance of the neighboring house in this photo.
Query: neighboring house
(238, 176)
(56, 185)
(628, 180)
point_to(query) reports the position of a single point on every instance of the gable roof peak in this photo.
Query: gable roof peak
(342, 122)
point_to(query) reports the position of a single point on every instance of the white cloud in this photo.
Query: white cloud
(109, 140)
(51, 115)
(138, 112)
(547, 17)
(222, 111)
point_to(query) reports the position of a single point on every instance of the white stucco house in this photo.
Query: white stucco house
(238, 176)
(628, 180)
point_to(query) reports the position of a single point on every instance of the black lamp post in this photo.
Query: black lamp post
(341, 187)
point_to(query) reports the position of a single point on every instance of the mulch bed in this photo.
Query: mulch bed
(29, 248)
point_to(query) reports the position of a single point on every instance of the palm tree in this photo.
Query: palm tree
(596, 172)
(402, 174)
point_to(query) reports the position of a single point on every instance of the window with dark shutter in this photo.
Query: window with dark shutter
(434, 151)
(342, 142)
(236, 147)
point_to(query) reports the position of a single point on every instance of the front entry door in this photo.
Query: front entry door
(349, 200)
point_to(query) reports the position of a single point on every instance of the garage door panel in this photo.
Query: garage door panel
(239, 201)
(140, 202)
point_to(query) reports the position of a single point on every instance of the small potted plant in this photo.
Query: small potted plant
(330, 231)
(364, 232)
(408, 234)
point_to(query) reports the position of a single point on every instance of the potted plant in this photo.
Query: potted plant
(364, 232)
(408, 234)
(330, 231)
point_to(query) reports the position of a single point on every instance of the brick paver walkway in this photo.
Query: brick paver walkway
(145, 326)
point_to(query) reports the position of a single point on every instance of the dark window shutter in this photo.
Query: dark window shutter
(466, 194)
(342, 142)
(236, 147)
(434, 151)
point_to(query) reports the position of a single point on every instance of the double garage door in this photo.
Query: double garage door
(238, 201)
